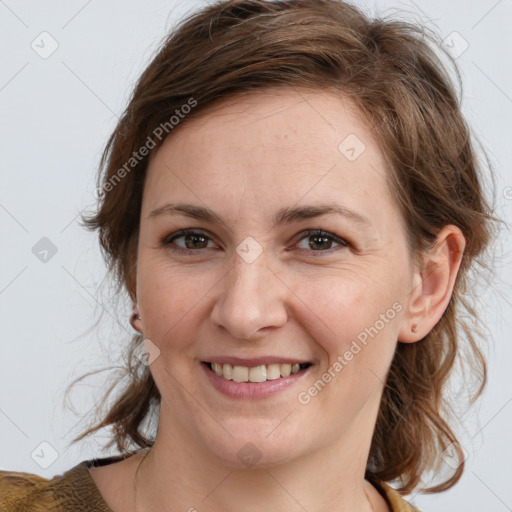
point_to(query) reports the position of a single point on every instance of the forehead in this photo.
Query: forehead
(280, 119)
(270, 147)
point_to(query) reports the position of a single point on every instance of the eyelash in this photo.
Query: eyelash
(304, 235)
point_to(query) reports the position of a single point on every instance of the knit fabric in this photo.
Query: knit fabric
(76, 491)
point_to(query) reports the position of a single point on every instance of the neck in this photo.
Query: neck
(179, 474)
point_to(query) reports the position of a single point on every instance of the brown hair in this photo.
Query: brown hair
(392, 71)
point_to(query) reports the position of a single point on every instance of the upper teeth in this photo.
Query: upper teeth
(260, 373)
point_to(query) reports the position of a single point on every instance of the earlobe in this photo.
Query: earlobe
(135, 319)
(433, 284)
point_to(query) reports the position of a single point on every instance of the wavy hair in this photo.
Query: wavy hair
(394, 72)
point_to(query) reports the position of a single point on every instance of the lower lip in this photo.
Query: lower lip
(252, 390)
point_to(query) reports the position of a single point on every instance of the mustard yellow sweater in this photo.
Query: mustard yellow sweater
(76, 491)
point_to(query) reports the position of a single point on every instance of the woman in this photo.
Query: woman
(292, 202)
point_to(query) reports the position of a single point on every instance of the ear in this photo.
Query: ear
(135, 319)
(130, 281)
(130, 270)
(432, 284)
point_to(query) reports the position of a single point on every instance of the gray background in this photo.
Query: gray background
(58, 321)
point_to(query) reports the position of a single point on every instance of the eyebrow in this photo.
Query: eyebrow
(283, 216)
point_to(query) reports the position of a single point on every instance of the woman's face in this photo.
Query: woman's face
(256, 286)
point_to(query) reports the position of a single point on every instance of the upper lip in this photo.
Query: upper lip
(254, 361)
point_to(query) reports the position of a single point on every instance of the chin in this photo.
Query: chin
(252, 456)
(250, 448)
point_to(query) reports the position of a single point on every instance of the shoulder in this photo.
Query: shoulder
(22, 491)
(395, 500)
(74, 490)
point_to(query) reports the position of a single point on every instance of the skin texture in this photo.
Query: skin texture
(303, 297)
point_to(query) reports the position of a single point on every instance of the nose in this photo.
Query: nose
(252, 300)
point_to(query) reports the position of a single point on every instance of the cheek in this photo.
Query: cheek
(353, 318)
(333, 307)
(347, 306)
(170, 300)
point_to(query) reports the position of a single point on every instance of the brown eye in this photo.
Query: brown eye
(192, 240)
(318, 241)
(321, 241)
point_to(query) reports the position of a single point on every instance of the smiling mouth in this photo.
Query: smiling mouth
(260, 373)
